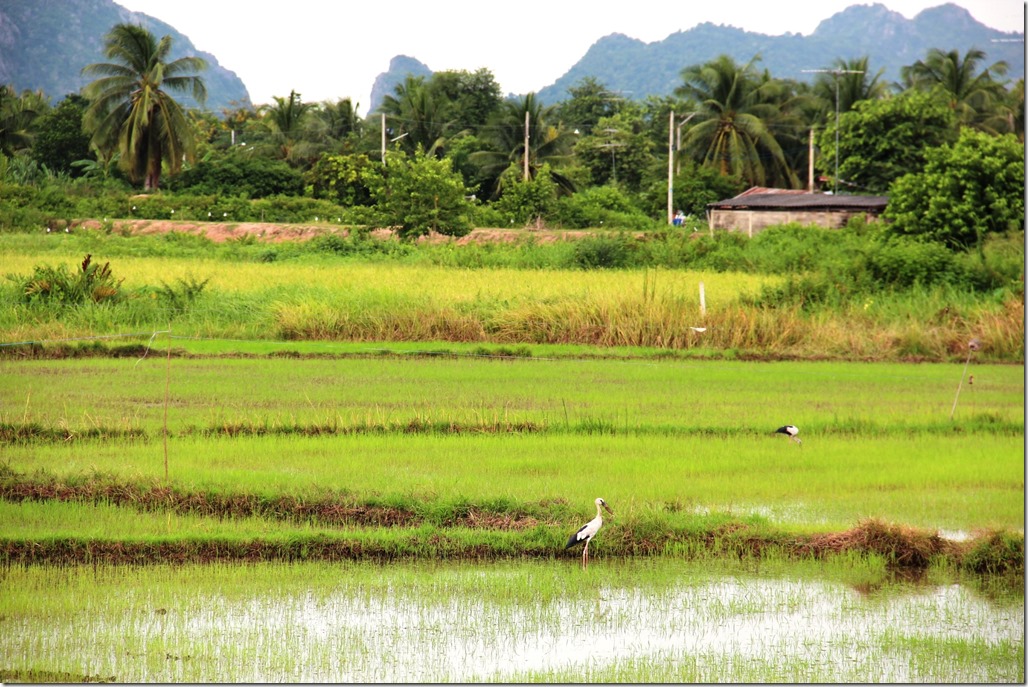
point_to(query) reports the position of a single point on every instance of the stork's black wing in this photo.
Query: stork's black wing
(576, 538)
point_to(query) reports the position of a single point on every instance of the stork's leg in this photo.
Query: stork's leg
(585, 555)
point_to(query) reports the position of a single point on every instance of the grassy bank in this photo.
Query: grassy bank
(769, 307)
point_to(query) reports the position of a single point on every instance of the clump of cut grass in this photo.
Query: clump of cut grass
(897, 544)
(996, 553)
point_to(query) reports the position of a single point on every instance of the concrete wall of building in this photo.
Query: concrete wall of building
(752, 222)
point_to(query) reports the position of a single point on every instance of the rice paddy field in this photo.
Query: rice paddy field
(301, 477)
(394, 514)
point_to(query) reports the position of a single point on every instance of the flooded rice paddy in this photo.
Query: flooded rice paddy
(631, 621)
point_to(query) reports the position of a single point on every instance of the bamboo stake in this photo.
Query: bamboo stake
(972, 346)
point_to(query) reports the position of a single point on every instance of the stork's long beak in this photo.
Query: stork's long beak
(607, 508)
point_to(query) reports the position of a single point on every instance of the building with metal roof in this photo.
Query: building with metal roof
(754, 210)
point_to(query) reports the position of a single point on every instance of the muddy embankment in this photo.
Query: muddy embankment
(457, 530)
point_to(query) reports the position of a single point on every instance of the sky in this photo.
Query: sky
(335, 49)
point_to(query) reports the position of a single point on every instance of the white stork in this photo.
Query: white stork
(792, 431)
(588, 531)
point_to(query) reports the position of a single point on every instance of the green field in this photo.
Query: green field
(444, 295)
(671, 443)
(324, 470)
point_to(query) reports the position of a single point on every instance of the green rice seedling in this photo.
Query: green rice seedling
(510, 622)
(385, 393)
(951, 483)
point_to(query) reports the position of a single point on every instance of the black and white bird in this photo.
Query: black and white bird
(588, 531)
(792, 431)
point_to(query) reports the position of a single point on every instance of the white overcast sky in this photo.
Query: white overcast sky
(333, 49)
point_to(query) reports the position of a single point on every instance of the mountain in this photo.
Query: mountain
(400, 67)
(889, 40)
(44, 44)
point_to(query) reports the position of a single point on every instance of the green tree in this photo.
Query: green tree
(471, 97)
(343, 179)
(18, 117)
(734, 104)
(974, 96)
(967, 190)
(504, 143)
(849, 81)
(590, 102)
(285, 123)
(618, 151)
(527, 201)
(418, 117)
(697, 185)
(60, 139)
(131, 110)
(420, 195)
(881, 140)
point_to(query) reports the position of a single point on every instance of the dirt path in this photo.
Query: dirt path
(276, 233)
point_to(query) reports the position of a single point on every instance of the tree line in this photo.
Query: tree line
(446, 152)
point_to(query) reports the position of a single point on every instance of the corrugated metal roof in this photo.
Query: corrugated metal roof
(787, 199)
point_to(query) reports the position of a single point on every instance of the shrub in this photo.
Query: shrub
(610, 251)
(906, 262)
(92, 282)
(421, 195)
(526, 202)
(31, 207)
(966, 191)
(603, 206)
(343, 179)
(250, 177)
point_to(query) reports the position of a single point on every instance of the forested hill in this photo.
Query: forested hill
(890, 41)
(44, 44)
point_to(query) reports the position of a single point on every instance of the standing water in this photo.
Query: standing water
(638, 621)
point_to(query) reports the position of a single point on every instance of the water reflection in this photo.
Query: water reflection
(472, 624)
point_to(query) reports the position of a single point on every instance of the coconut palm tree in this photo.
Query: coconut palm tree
(976, 96)
(504, 141)
(131, 110)
(286, 124)
(19, 117)
(734, 105)
(850, 81)
(416, 112)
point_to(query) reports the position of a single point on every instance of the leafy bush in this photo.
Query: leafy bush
(605, 251)
(525, 202)
(92, 283)
(968, 190)
(603, 206)
(172, 206)
(906, 262)
(343, 179)
(31, 207)
(358, 243)
(249, 177)
(421, 195)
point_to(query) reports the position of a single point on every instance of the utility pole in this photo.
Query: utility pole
(836, 72)
(678, 136)
(613, 159)
(810, 162)
(674, 142)
(383, 138)
(526, 143)
(670, 165)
